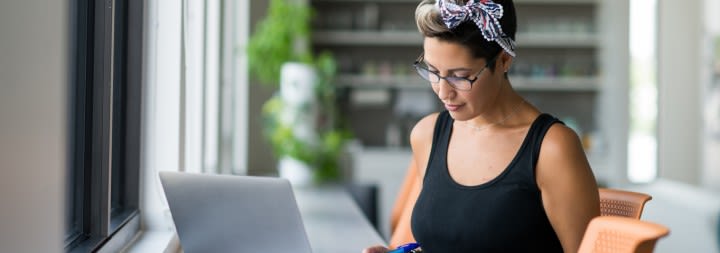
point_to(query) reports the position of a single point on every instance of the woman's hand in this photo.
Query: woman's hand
(376, 249)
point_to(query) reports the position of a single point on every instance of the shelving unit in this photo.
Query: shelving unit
(367, 38)
(564, 66)
(538, 40)
(413, 38)
(376, 41)
(560, 84)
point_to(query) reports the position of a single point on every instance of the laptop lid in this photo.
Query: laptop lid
(223, 213)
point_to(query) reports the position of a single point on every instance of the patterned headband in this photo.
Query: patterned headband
(484, 13)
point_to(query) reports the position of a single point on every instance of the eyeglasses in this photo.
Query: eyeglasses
(458, 83)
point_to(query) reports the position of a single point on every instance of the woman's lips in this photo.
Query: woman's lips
(452, 108)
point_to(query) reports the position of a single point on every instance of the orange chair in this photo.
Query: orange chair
(402, 209)
(613, 234)
(615, 202)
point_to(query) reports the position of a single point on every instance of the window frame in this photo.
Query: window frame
(106, 117)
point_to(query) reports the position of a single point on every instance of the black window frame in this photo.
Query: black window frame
(105, 124)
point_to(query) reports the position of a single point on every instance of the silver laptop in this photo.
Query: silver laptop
(221, 213)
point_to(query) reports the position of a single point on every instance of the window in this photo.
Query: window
(105, 96)
(642, 143)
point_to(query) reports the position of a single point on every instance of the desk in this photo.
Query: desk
(334, 223)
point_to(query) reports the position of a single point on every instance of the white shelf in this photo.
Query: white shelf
(367, 1)
(545, 2)
(570, 84)
(365, 38)
(413, 38)
(416, 1)
(381, 82)
(562, 40)
(555, 83)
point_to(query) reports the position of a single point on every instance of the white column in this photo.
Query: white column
(711, 109)
(679, 90)
(212, 84)
(162, 110)
(241, 31)
(194, 83)
(614, 102)
(227, 87)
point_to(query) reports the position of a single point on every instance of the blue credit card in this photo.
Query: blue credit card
(407, 248)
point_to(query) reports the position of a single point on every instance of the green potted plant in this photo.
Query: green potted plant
(300, 121)
(280, 37)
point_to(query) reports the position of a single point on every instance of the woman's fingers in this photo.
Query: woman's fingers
(376, 249)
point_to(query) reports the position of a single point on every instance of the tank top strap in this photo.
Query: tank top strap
(537, 133)
(441, 138)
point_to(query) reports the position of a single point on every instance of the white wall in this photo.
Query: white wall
(33, 86)
(614, 104)
(679, 90)
(161, 129)
(711, 164)
(690, 212)
(679, 200)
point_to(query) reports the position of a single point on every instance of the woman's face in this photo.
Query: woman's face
(452, 59)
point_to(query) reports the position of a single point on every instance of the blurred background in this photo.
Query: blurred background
(96, 97)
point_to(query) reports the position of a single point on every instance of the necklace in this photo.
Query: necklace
(478, 129)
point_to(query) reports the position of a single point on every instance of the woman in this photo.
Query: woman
(496, 174)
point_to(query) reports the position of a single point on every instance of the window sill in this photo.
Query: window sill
(154, 241)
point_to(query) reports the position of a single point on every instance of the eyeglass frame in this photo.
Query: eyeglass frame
(420, 58)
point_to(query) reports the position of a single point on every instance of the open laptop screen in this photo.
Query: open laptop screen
(223, 213)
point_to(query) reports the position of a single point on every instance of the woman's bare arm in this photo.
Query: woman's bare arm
(569, 190)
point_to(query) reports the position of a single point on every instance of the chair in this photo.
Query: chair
(366, 197)
(613, 234)
(402, 209)
(615, 202)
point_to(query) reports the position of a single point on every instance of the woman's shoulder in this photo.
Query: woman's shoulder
(421, 138)
(560, 137)
(561, 152)
(423, 129)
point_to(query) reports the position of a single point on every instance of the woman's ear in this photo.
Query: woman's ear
(505, 62)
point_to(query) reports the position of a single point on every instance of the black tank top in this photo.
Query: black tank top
(505, 214)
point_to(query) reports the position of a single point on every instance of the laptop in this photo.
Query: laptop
(223, 213)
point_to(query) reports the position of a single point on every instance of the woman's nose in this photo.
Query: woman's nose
(444, 90)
